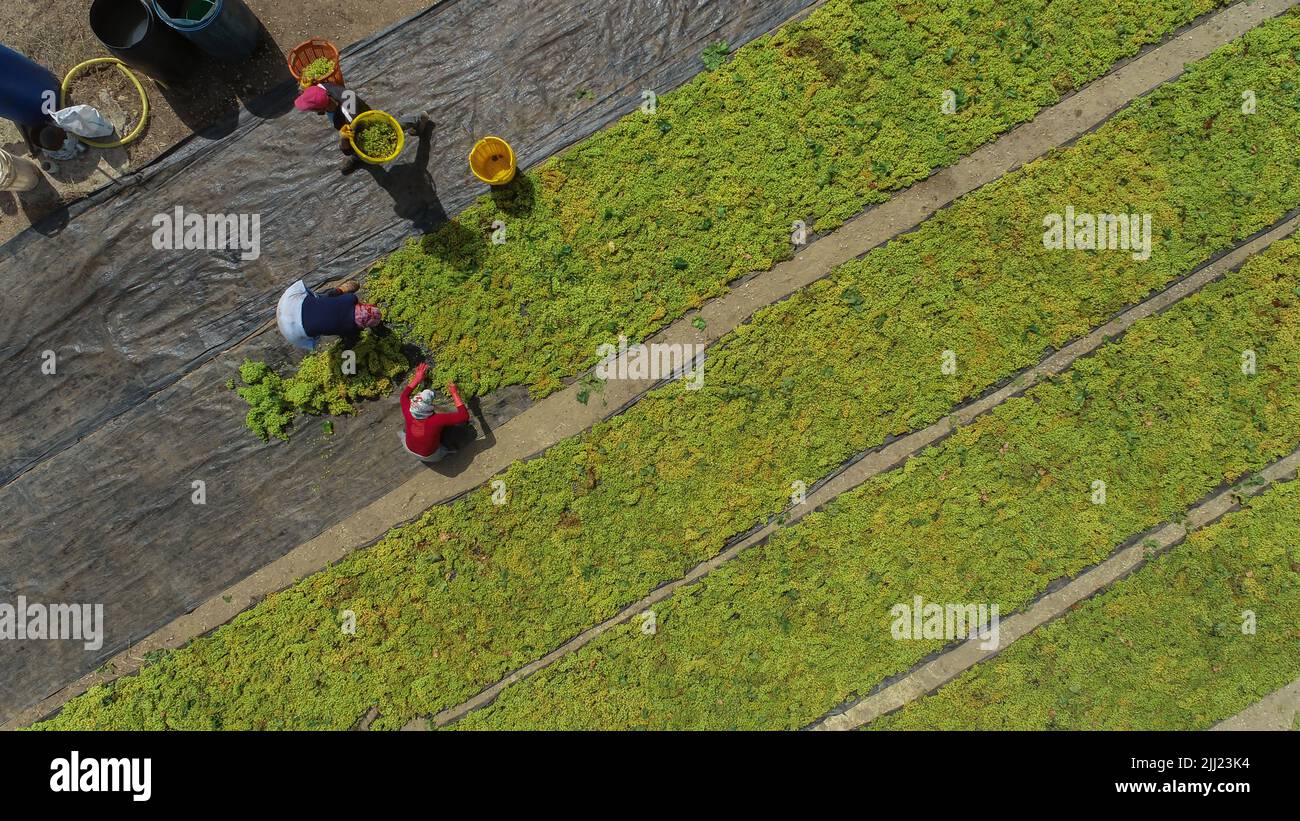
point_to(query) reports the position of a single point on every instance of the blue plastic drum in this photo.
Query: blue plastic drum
(225, 29)
(24, 87)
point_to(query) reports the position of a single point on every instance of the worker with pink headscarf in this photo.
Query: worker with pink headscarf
(304, 317)
(332, 99)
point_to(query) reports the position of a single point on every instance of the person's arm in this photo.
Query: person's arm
(416, 379)
(334, 92)
(455, 395)
(410, 386)
(456, 417)
(406, 403)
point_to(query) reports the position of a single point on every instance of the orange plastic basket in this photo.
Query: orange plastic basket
(304, 54)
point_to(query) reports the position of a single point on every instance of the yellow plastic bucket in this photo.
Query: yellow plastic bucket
(493, 161)
(350, 130)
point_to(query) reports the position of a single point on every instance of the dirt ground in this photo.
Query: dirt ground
(56, 34)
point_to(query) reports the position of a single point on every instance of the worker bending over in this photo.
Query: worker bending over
(422, 436)
(304, 317)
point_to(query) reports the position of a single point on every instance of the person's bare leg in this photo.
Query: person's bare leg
(351, 162)
(416, 125)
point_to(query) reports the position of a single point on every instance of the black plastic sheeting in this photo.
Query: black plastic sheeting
(97, 461)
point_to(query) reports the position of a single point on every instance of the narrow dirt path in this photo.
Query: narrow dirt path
(942, 669)
(1276, 711)
(561, 415)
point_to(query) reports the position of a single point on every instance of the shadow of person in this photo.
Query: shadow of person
(466, 440)
(410, 184)
(44, 207)
(410, 350)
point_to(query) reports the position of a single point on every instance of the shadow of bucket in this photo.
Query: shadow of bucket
(225, 29)
(134, 34)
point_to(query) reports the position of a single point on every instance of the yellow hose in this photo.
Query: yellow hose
(144, 99)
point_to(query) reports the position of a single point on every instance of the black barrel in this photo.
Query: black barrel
(131, 30)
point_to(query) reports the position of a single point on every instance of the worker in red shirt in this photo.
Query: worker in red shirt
(423, 434)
